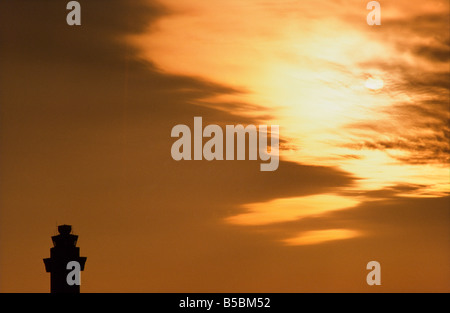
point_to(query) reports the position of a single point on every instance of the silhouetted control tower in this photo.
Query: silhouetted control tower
(64, 251)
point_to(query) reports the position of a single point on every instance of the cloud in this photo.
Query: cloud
(394, 191)
(85, 127)
(289, 209)
(416, 123)
(320, 236)
(436, 53)
(86, 138)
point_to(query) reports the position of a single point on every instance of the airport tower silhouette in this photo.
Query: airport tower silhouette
(64, 250)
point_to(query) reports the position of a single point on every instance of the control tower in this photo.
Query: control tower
(64, 250)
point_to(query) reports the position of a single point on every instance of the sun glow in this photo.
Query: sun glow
(374, 83)
(306, 73)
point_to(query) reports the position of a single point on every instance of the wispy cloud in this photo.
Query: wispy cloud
(291, 209)
(314, 237)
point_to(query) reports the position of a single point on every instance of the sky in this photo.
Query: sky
(86, 116)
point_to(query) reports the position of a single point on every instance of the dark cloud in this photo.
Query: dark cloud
(420, 126)
(85, 137)
(97, 42)
(393, 191)
(421, 24)
(419, 149)
(434, 53)
(394, 231)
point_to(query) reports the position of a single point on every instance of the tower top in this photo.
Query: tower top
(65, 229)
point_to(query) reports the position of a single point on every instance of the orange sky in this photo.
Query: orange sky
(85, 126)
